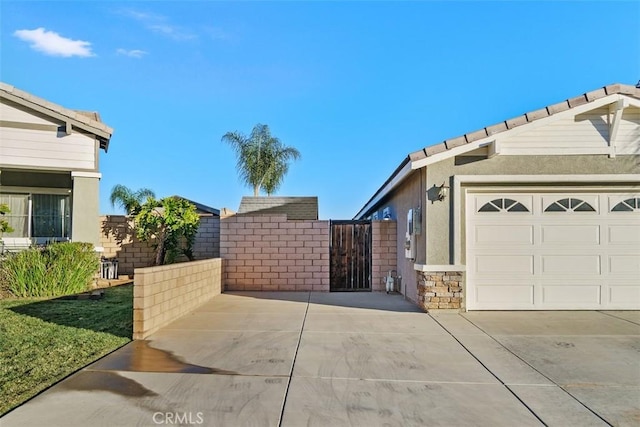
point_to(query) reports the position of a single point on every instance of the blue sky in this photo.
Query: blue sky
(355, 86)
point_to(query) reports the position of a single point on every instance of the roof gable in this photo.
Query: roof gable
(86, 121)
(587, 100)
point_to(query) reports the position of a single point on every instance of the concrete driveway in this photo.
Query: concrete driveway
(357, 359)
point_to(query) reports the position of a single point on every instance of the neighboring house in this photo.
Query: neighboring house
(49, 169)
(541, 211)
(296, 208)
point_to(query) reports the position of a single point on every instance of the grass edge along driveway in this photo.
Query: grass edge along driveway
(43, 341)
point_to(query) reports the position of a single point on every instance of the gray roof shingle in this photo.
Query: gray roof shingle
(293, 207)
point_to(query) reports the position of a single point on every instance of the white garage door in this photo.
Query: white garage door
(552, 251)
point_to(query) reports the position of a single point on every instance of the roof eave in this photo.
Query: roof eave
(65, 115)
(398, 175)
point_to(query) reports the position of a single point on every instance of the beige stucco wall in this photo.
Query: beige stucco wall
(163, 294)
(440, 227)
(85, 210)
(409, 195)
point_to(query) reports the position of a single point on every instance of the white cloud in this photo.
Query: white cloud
(52, 43)
(217, 33)
(134, 53)
(160, 25)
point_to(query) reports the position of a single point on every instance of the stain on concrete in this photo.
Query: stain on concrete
(562, 344)
(141, 357)
(106, 381)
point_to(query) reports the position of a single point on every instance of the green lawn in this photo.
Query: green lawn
(42, 341)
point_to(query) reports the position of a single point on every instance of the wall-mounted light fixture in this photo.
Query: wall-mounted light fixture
(443, 192)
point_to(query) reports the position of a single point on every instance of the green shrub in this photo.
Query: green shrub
(55, 270)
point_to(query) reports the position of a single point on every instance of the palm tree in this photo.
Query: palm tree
(263, 160)
(128, 199)
(279, 167)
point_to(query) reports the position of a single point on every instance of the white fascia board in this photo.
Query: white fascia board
(435, 158)
(81, 174)
(634, 102)
(523, 128)
(436, 267)
(565, 179)
(397, 179)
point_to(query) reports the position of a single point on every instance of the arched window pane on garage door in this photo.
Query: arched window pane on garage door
(503, 205)
(570, 205)
(628, 205)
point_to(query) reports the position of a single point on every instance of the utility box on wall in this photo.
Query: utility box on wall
(410, 237)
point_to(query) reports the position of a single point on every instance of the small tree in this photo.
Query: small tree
(173, 222)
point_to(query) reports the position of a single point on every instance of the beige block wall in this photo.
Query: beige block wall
(207, 241)
(383, 252)
(163, 294)
(270, 253)
(117, 237)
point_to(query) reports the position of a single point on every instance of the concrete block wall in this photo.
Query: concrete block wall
(163, 294)
(271, 253)
(383, 252)
(207, 240)
(117, 237)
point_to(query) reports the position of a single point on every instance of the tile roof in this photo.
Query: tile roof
(448, 144)
(293, 207)
(529, 117)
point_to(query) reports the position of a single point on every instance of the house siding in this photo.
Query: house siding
(12, 114)
(564, 136)
(47, 149)
(628, 132)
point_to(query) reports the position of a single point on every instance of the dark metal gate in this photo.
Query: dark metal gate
(350, 256)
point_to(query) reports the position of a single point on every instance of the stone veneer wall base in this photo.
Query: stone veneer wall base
(440, 290)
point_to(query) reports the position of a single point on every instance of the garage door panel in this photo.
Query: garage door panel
(624, 297)
(504, 264)
(624, 234)
(625, 264)
(494, 296)
(570, 234)
(505, 234)
(570, 264)
(568, 296)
